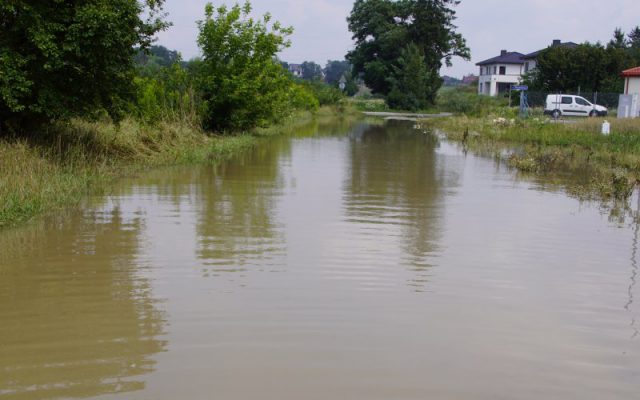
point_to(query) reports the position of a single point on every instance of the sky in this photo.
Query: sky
(489, 26)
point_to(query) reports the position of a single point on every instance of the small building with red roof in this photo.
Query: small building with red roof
(631, 80)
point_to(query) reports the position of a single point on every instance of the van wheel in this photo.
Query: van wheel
(593, 113)
(556, 114)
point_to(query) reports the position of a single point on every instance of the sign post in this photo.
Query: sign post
(524, 104)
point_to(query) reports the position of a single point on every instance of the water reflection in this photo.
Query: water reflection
(396, 188)
(634, 274)
(77, 318)
(236, 228)
(633, 280)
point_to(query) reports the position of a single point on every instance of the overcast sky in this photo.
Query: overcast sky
(321, 30)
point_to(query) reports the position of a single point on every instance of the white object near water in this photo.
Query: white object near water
(606, 128)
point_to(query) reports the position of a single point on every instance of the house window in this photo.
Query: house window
(503, 70)
(495, 70)
(526, 67)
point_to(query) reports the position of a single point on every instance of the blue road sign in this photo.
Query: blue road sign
(519, 87)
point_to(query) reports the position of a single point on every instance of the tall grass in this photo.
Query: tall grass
(57, 167)
(465, 100)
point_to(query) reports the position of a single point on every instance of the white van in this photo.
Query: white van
(558, 105)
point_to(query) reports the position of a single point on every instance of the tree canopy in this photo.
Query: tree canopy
(311, 71)
(334, 70)
(385, 30)
(587, 67)
(65, 58)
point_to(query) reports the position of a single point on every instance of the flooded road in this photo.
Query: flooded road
(361, 260)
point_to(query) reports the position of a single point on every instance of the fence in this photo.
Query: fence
(538, 99)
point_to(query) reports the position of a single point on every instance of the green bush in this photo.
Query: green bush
(302, 98)
(326, 95)
(60, 59)
(168, 96)
(465, 100)
(242, 84)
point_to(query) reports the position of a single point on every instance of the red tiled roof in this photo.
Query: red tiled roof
(631, 72)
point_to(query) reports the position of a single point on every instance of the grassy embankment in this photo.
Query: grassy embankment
(572, 153)
(57, 168)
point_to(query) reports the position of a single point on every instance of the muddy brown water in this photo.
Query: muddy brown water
(348, 261)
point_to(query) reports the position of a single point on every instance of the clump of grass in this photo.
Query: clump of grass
(369, 104)
(57, 167)
(465, 100)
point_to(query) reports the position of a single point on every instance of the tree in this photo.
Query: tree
(351, 85)
(619, 40)
(634, 46)
(311, 71)
(410, 81)
(634, 38)
(383, 28)
(334, 70)
(242, 83)
(157, 54)
(60, 59)
(588, 67)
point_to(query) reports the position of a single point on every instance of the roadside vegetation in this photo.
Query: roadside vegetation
(574, 153)
(73, 119)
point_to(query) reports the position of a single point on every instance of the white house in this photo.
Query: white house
(497, 74)
(629, 104)
(296, 70)
(631, 81)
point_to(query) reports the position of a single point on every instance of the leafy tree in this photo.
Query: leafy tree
(334, 70)
(619, 40)
(634, 46)
(410, 81)
(169, 95)
(383, 28)
(588, 67)
(311, 71)
(159, 55)
(351, 86)
(65, 58)
(242, 83)
(634, 38)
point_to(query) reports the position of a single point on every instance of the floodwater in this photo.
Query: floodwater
(363, 260)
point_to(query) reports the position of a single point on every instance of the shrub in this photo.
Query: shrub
(242, 84)
(465, 100)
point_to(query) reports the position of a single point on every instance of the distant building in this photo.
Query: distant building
(450, 81)
(631, 80)
(470, 79)
(497, 74)
(296, 70)
(629, 103)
